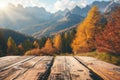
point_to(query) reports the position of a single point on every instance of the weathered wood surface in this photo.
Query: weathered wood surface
(77, 70)
(28, 70)
(9, 60)
(68, 68)
(36, 70)
(105, 70)
(58, 68)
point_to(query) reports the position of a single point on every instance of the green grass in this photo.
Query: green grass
(64, 54)
(107, 57)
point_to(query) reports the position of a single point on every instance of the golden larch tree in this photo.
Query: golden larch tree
(57, 41)
(11, 47)
(48, 49)
(48, 43)
(36, 44)
(85, 37)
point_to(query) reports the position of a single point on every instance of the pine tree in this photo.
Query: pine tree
(85, 37)
(66, 40)
(63, 48)
(1, 52)
(42, 42)
(27, 45)
(3, 46)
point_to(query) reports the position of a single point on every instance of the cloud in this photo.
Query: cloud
(25, 3)
(57, 5)
(63, 4)
(35, 3)
(82, 3)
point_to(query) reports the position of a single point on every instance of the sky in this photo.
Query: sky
(49, 5)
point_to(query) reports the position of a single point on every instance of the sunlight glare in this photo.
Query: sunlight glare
(3, 5)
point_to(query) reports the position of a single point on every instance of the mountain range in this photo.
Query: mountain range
(17, 36)
(38, 22)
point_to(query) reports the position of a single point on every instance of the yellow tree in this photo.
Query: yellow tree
(57, 42)
(36, 44)
(48, 49)
(85, 36)
(48, 43)
(12, 48)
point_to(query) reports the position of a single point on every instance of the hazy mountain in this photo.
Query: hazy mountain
(65, 30)
(105, 5)
(75, 16)
(58, 22)
(18, 37)
(81, 11)
(62, 13)
(67, 21)
(18, 17)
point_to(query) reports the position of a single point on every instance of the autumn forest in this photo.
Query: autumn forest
(97, 32)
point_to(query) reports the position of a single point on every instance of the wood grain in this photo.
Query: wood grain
(56, 68)
(106, 70)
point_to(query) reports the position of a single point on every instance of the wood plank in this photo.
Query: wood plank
(77, 70)
(7, 59)
(17, 70)
(10, 60)
(106, 70)
(68, 68)
(64, 68)
(38, 71)
(59, 70)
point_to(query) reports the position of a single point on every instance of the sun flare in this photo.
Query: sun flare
(3, 6)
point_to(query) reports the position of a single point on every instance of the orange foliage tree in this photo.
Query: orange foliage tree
(20, 49)
(48, 49)
(109, 39)
(85, 37)
(35, 51)
(57, 41)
